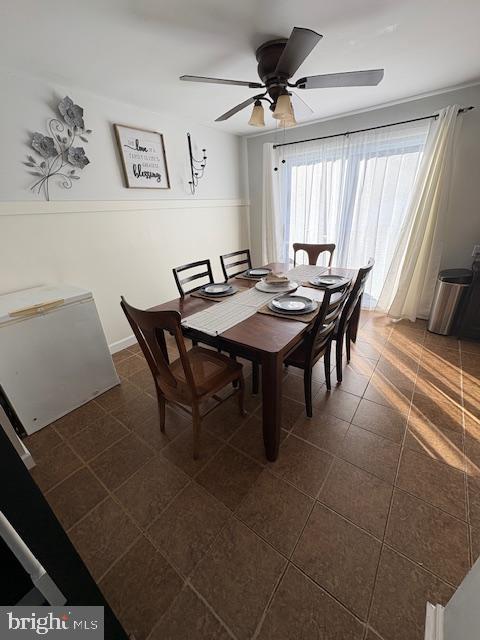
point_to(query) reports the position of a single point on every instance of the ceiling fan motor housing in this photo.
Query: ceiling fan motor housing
(268, 55)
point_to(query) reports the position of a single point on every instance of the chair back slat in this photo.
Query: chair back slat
(355, 295)
(317, 339)
(180, 281)
(149, 328)
(313, 251)
(228, 265)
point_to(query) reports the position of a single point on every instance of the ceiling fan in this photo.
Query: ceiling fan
(278, 61)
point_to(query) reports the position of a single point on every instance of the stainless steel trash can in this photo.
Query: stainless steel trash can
(450, 287)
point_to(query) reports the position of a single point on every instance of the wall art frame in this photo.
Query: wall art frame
(144, 160)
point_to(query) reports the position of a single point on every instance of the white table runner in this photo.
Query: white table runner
(224, 315)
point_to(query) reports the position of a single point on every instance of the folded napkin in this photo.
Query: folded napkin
(276, 278)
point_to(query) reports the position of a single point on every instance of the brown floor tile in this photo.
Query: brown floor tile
(291, 411)
(97, 437)
(129, 366)
(180, 451)
(340, 557)
(302, 464)
(121, 355)
(102, 536)
(75, 496)
(473, 503)
(292, 387)
(362, 498)
(187, 528)
(134, 414)
(441, 361)
(360, 365)
(149, 428)
(42, 442)
(429, 536)
(437, 483)
(188, 617)
(471, 366)
(442, 414)
(249, 438)
(78, 419)
(143, 379)
(439, 344)
(471, 397)
(135, 348)
(353, 382)
(370, 350)
(398, 374)
(146, 493)
(383, 391)
(324, 431)
(237, 576)
(120, 461)
(229, 476)
(444, 445)
(276, 511)
(117, 397)
(336, 403)
(55, 466)
(223, 421)
(301, 610)
(370, 452)
(140, 587)
(384, 421)
(475, 538)
(402, 590)
(470, 346)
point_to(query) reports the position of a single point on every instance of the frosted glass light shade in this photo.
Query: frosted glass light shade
(283, 107)
(288, 120)
(257, 119)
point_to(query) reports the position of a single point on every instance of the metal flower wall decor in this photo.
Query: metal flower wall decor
(60, 157)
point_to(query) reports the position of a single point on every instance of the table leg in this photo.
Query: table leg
(272, 403)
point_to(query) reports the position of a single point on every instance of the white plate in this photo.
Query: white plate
(326, 280)
(216, 289)
(275, 288)
(258, 273)
(293, 304)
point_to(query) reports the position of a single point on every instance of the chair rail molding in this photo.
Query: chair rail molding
(18, 208)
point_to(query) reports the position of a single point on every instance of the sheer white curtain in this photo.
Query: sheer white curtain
(351, 190)
(410, 282)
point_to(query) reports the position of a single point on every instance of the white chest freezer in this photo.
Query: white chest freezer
(53, 353)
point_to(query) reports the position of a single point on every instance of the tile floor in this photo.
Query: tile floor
(372, 509)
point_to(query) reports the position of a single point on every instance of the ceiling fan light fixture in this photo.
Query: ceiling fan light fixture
(289, 120)
(283, 107)
(257, 119)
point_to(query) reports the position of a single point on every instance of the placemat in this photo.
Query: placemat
(218, 298)
(304, 317)
(249, 278)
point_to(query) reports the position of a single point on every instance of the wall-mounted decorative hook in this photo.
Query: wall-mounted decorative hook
(197, 167)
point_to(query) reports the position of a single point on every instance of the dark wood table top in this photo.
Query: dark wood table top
(260, 332)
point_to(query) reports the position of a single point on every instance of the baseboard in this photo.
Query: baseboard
(122, 344)
(434, 622)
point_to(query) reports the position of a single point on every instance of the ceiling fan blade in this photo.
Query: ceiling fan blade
(238, 83)
(298, 47)
(368, 78)
(238, 108)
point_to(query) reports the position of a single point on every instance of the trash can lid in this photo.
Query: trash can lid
(457, 276)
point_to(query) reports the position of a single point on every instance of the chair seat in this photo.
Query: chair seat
(211, 370)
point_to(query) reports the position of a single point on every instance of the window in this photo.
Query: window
(354, 191)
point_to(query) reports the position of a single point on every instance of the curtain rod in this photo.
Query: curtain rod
(381, 126)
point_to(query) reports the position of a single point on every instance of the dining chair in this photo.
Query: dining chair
(348, 322)
(230, 261)
(178, 273)
(313, 251)
(194, 377)
(318, 340)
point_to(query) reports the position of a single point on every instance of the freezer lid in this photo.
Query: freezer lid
(19, 303)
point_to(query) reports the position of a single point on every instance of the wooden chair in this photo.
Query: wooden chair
(318, 340)
(313, 251)
(228, 264)
(348, 322)
(192, 266)
(198, 374)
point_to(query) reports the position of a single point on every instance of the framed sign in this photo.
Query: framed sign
(143, 158)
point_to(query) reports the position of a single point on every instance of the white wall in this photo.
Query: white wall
(100, 235)
(464, 210)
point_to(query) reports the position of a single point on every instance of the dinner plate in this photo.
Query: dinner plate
(216, 289)
(293, 305)
(275, 288)
(257, 273)
(326, 280)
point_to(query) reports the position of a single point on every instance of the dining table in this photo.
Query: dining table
(264, 339)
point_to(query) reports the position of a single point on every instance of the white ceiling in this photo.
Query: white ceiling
(134, 50)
